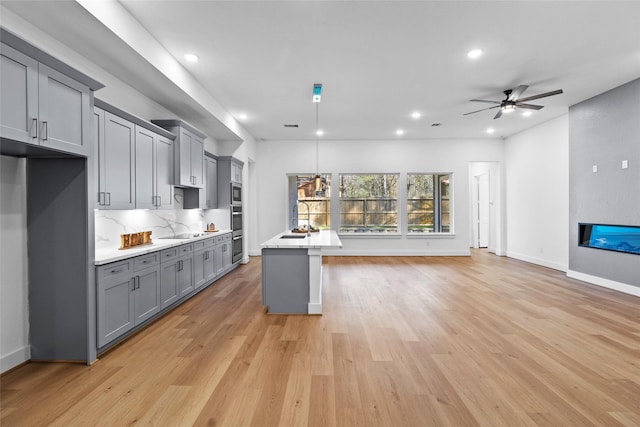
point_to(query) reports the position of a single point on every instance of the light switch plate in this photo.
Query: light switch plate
(625, 164)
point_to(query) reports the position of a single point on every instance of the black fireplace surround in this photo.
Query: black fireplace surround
(618, 238)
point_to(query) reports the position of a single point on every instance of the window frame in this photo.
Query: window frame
(293, 210)
(437, 207)
(368, 232)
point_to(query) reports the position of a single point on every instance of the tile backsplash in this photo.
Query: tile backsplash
(109, 224)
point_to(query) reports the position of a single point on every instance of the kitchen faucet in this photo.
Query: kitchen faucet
(296, 211)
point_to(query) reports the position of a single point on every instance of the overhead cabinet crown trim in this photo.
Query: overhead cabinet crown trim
(41, 56)
(133, 119)
(168, 123)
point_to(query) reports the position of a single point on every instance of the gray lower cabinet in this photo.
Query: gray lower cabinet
(42, 106)
(204, 263)
(223, 253)
(177, 279)
(128, 294)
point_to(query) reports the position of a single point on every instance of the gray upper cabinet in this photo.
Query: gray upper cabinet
(153, 170)
(207, 197)
(116, 167)
(18, 96)
(135, 161)
(42, 106)
(188, 153)
(164, 173)
(211, 187)
(229, 170)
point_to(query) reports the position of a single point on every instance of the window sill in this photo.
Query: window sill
(431, 235)
(368, 235)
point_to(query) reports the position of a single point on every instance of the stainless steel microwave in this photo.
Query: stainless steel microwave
(236, 193)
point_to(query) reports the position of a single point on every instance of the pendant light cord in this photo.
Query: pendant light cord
(317, 144)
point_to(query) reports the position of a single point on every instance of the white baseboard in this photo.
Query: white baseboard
(538, 261)
(340, 252)
(314, 308)
(605, 283)
(14, 358)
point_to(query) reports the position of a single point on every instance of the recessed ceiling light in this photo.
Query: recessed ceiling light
(474, 53)
(416, 115)
(191, 57)
(399, 132)
(242, 116)
(319, 132)
(527, 113)
(491, 130)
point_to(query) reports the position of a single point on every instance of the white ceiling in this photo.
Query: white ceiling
(378, 61)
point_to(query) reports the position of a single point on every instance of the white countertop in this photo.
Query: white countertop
(107, 255)
(318, 240)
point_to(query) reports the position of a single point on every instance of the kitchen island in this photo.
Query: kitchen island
(292, 271)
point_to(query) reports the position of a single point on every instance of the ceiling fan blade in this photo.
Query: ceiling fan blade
(484, 100)
(498, 115)
(542, 95)
(515, 94)
(477, 111)
(529, 106)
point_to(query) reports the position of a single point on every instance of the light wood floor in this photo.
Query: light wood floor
(412, 341)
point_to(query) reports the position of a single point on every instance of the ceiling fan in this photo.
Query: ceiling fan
(513, 101)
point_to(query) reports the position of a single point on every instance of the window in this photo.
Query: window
(369, 203)
(310, 201)
(428, 203)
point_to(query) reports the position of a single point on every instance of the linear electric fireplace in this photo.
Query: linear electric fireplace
(619, 238)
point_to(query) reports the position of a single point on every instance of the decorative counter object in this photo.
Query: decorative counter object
(133, 240)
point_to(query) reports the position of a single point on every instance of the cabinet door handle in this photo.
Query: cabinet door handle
(159, 201)
(133, 282)
(116, 270)
(45, 130)
(100, 198)
(109, 202)
(34, 128)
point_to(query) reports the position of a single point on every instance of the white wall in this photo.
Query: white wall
(537, 194)
(14, 316)
(278, 158)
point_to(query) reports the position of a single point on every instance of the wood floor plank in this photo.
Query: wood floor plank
(403, 341)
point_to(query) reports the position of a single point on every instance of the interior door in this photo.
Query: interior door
(482, 182)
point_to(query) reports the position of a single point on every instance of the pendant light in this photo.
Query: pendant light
(317, 95)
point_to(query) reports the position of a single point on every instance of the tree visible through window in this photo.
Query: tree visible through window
(310, 201)
(369, 203)
(428, 203)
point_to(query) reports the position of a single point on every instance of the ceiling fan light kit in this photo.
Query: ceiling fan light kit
(513, 101)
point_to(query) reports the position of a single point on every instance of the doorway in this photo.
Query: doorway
(482, 207)
(485, 219)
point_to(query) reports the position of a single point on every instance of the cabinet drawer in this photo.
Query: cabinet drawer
(227, 237)
(115, 269)
(201, 244)
(220, 239)
(185, 249)
(145, 261)
(169, 254)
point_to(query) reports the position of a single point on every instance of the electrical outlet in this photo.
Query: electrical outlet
(625, 164)
(594, 168)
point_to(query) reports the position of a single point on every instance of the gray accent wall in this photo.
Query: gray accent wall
(604, 131)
